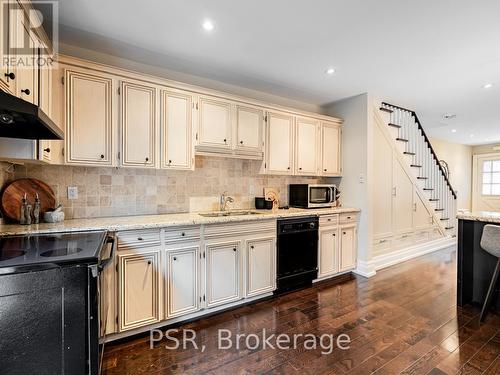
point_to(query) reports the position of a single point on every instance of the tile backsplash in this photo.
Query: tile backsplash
(131, 191)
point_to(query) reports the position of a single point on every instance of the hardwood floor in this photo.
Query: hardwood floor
(403, 320)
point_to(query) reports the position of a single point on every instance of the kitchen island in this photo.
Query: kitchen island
(475, 266)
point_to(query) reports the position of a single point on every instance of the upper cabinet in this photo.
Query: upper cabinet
(306, 149)
(26, 76)
(249, 128)
(89, 118)
(138, 124)
(279, 143)
(7, 37)
(176, 125)
(214, 125)
(331, 149)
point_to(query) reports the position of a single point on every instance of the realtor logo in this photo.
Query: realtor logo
(29, 33)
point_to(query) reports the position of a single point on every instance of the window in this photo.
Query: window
(491, 177)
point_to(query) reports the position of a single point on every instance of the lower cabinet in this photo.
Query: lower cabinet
(223, 273)
(261, 266)
(182, 281)
(347, 248)
(328, 252)
(139, 294)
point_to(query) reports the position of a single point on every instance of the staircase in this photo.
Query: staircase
(415, 145)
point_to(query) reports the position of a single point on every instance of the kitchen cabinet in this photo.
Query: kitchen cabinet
(214, 124)
(422, 218)
(177, 124)
(382, 185)
(182, 281)
(138, 124)
(261, 266)
(306, 148)
(279, 144)
(248, 128)
(139, 288)
(348, 248)
(328, 251)
(331, 149)
(402, 199)
(7, 39)
(89, 118)
(45, 104)
(27, 75)
(223, 273)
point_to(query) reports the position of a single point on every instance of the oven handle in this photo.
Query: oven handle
(103, 264)
(329, 195)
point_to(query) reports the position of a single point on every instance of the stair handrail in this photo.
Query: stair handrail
(428, 143)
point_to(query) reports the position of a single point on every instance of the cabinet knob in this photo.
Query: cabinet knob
(149, 262)
(183, 234)
(348, 217)
(102, 156)
(344, 232)
(26, 91)
(175, 258)
(288, 168)
(139, 238)
(241, 142)
(252, 247)
(46, 149)
(10, 75)
(333, 234)
(234, 249)
(225, 140)
(170, 162)
(324, 170)
(147, 159)
(300, 169)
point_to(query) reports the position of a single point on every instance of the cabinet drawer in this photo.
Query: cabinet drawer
(328, 220)
(382, 246)
(346, 218)
(138, 238)
(182, 234)
(403, 240)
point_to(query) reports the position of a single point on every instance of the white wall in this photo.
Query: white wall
(356, 146)
(459, 159)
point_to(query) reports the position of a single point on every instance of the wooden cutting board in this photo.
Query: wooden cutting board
(13, 194)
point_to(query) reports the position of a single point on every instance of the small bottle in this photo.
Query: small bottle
(36, 210)
(22, 216)
(27, 214)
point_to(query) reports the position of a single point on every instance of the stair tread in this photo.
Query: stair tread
(401, 139)
(415, 166)
(422, 178)
(439, 209)
(428, 189)
(408, 153)
(448, 228)
(394, 125)
(444, 218)
(386, 110)
(433, 200)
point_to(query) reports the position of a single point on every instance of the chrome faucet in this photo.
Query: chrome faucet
(224, 198)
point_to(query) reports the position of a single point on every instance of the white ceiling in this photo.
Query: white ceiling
(432, 56)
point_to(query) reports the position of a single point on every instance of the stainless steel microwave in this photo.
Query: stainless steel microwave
(311, 196)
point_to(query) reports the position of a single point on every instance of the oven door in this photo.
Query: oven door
(320, 196)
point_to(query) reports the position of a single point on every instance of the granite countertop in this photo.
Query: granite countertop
(485, 216)
(159, 221)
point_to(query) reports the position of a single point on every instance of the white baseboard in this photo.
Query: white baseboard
(365, 269)
(399, 256)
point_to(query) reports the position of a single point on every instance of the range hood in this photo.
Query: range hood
(21, 119)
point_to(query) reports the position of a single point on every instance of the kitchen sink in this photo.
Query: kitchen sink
(228, 213)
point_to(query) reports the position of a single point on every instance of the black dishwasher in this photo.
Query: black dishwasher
(297, 253)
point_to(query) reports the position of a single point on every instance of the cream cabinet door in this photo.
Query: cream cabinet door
(7, 40)
(348, 244)
(89, 107)
(45, 104)
(139, 289)
(422, 218)
(306, 152)
(138, 125)
(402, 207)
(26, 76)
(214, 132)
(182, 281)
(261, 266)
(328, 252)
(279, 143)
(177, 123)
(249, 124)
(223, 273)
(331, 149)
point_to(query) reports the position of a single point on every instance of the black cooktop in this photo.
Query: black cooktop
(55, 248)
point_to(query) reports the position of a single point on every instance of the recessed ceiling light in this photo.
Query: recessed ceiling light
(453, 130)
(488, 86)
(208, 25)
(330, 71)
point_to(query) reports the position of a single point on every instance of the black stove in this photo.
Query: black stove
(59, 248)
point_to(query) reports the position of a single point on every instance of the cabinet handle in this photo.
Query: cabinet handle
(175, 258)
(234, 249)
(147, 159)
(348, 217)
(183, 234)
(333, 234)
(324, 170)
(46, 149)
(288, 168)
(344, 232)
(102, 156)
(139, 238)
(241, 142)
(170, 162)
(26, 91)
(251, 247)
(149, 262)
(225, 140)
(300, 169)
(10, 75)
